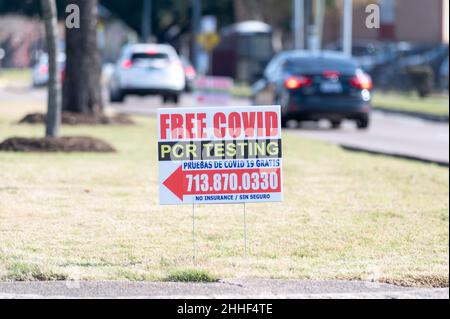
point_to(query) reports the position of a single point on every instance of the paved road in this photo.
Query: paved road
(389, 134)
(251, 289)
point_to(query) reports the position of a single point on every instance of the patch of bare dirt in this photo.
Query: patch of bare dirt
(421, 281)
(68, 118)
(58, 144)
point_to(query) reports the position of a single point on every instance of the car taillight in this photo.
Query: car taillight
(43, 69)
(190, 71)
(127, 64)
(361, 81)
(297, 82)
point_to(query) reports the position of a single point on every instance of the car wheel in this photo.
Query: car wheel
(176, 99)
(171, 98)
(336, 124)
(282, 99)
(363, 123)
(116, 96)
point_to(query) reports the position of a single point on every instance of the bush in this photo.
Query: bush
(422, 79)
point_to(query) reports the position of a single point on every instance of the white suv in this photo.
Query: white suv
(148, 69)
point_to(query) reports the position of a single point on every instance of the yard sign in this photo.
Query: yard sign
(212, 90)
(212, 155)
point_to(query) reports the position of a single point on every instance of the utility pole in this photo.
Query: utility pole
(146, 29)
(298, 24)
(310, 28)
(196, 16)
(347, 27)
(318, 20)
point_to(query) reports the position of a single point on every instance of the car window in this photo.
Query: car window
(274, 68)
(318, 65)
(149, 56)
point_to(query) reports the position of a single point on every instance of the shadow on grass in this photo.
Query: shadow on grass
(58, 144)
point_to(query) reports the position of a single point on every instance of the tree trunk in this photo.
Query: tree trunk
(82, 87)
(53, 119)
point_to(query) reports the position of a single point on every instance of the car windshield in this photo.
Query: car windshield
(150, 59)
(149, 56)
(319, 65)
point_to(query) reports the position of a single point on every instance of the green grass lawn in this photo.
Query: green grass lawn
(241, 91)
(96, 216)
(11, 76)
(434, 105)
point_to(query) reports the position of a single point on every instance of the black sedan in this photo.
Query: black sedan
(314, 86)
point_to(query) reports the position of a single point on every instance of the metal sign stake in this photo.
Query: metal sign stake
(193, 235)
(245, 232)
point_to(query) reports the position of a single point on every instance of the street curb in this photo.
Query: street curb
(229, 289)
(418, 115)
(394, 155)
(405, 295)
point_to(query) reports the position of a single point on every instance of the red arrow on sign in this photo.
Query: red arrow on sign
(178, 182)
(175, 183)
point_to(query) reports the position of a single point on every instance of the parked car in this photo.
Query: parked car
(2, 56)
(148, 69)
(443, 74)
(40, 69)
(189, 72)
(411, 60)
(368, 53)
(315, 86)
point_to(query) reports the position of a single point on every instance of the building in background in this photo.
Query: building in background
(417, 21)
(422, 21)
(19, 38)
